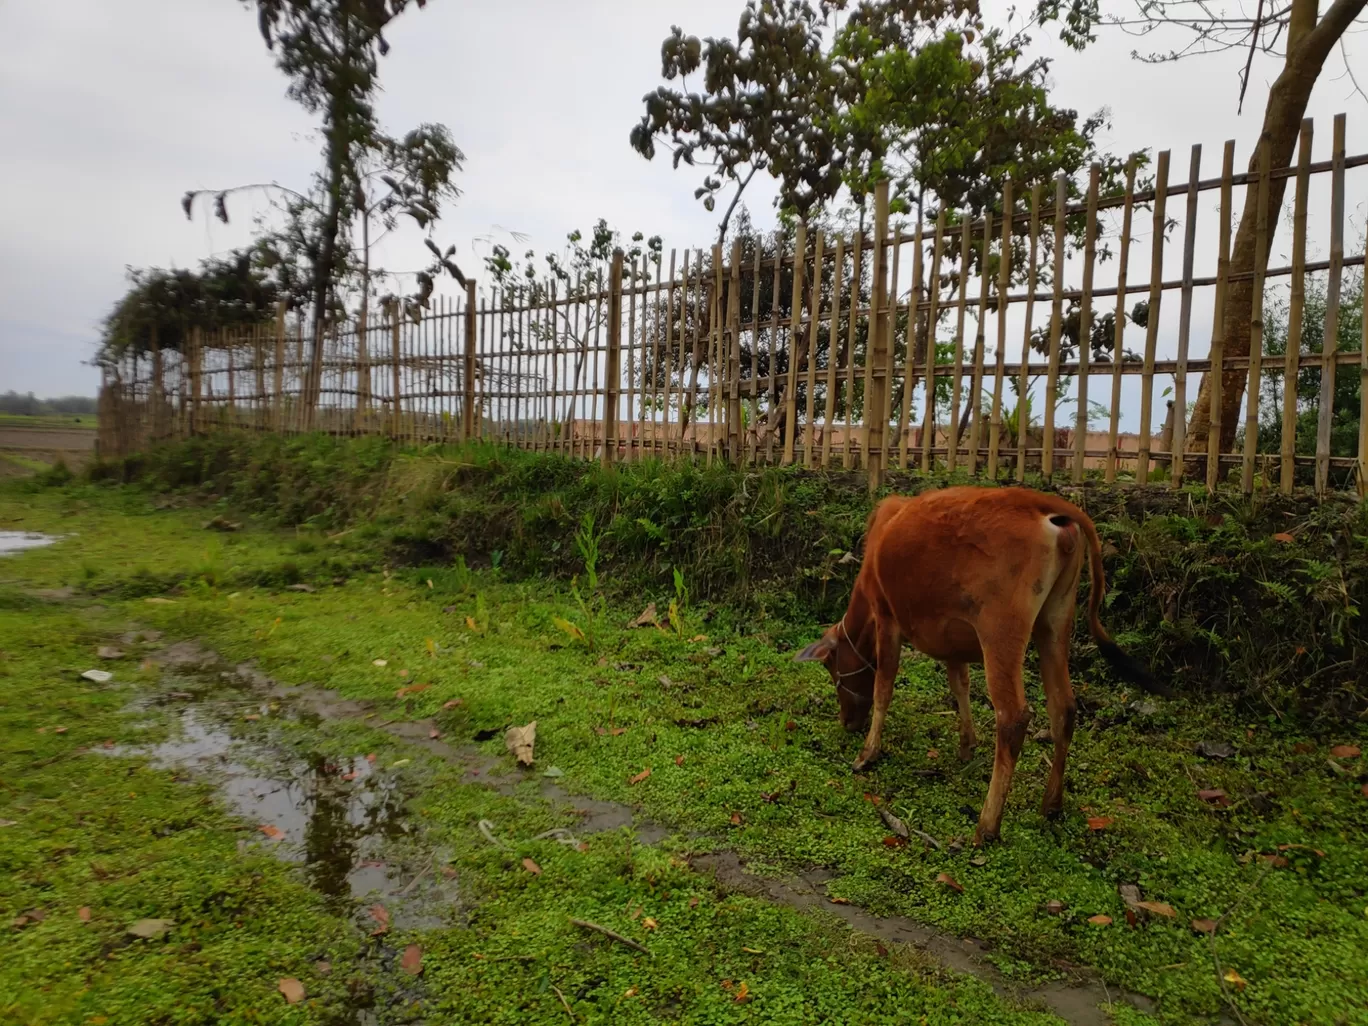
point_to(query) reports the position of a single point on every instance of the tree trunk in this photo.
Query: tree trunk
(327, 258)
(1308, 45)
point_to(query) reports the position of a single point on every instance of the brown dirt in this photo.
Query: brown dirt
(74, 446)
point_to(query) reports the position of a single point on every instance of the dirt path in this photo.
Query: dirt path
(73, 445)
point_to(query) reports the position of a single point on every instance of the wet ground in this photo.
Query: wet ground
(344, 820)
(18, 541)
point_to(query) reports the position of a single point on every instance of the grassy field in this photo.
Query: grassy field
(703, 723)
(82, 421)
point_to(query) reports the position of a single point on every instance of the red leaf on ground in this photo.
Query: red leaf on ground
(790, 725)
(292, 989)
(640, 776)
(370, 757)
(1100, 920)
(1214, 794)
(736, 819)
(83, 914)
(693, 902)
(1346, 751)
(412, 960)
(1099, 822)
(933, 754)
(1204, 925)
(411, 689)
(618, 731)
(679, 760)
(873, 799)
(950, 881)
(382, 919)
(895, 842)
(839, 901)
(1284, 537)
(273, 832)
(1131, 919)
(532, 867)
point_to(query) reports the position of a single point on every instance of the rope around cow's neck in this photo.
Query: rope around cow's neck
(851, 641)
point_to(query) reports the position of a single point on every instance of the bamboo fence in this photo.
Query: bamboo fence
(817, 351)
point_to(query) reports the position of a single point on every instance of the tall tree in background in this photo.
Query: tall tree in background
(329, 50)
(1303, 37)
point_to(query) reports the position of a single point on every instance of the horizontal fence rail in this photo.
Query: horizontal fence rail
(1014, 343)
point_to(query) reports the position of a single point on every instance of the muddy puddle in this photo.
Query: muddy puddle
(344, 822)
(18, 541)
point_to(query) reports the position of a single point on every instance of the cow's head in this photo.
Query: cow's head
(851, 672)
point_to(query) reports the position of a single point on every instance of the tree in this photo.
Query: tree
(162, 307)
(329, 50)
(1303, 37)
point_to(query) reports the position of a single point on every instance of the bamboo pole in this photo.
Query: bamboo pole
(891, 445)
(833, 350)
(957, 383)
(1256, 323)
(1295, 313)
(928, 438)
(1023, 382)
(594, 440)
(1004, 282)
(1329, 370)
(1056, 329)
(910, 370)
(1085, 320)
(732, 364)
(877, 380)
(612, 375)
(468, 351)
(980, 344)
(1156, 295)
(772, 408)
(1178, 437)
(807, 332)
(688, 405)
(852, 328)
(715, 375)
(667, 386)
(1213, 465)
(750, 449)
(396, 427)
(1119, 335)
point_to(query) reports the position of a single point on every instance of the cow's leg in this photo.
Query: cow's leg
(1002, 661)
(1052, 640)
(888, 653)
(958, 675)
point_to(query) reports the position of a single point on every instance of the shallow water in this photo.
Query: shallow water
(18, 541)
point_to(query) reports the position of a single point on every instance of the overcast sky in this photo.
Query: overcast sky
(111, 109)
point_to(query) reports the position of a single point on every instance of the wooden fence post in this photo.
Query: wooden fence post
(731, 361)
(876, 366)
(468, 368)
(612, 384)
(278, 379)
(808, 335)
(396, 429)
(196, 355)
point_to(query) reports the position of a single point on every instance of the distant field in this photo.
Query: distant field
(80, 421)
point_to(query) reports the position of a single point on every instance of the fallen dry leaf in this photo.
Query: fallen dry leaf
(403, 673)
(452, 704)
(640, 776)
(630, 992)
(1055, 907)
(472, 625)
(532, 867)
(1159, 908)
(618, 731)
(1284, 537)
(648, 618)
(1100, 920)
(83, 914)
(520, 741)
(839, 901)
(109, 652)
(370, 757)
(1215, 795)
(1346, 751)
(434, 734)
(349, 776)
(98, 676)
(950, 881)
(895, 842)
(742, 994)
(411, 689)
(1099, 822)
(252, 716)
(693, 902)
(382, 919)
(59, 730)
(736, 819)
(873, 799)
(271, 831)
(649, 923)
(323, 968)
(1131, 918)
(1235, 979)
(679, 760)
(292, 989)
(150, 929)
(1204, 925)
(933, 754)
(379, 662)
(412, 960)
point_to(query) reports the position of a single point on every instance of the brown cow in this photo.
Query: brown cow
(970, 575)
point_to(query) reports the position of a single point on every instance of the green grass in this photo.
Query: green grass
(742, 745)
(106, 831)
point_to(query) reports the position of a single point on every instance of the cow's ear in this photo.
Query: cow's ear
(817, 652)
